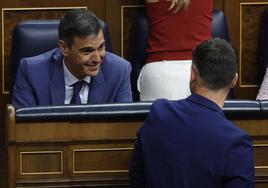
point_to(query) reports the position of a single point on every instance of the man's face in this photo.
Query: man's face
(85, 55)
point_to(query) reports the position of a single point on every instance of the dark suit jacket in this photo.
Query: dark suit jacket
(40, 81)
(190, 144)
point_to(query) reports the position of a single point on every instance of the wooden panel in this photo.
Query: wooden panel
(12, 169)
(261, 184)
(128, 14)
(37, 161)
(218, 4)
(255, 128)
(114, 16)
(104, 130)
(101, 160)
(243, 17)
(40, 132)
(260, 158)
(261, 153)
(41, 162)
(251, 14)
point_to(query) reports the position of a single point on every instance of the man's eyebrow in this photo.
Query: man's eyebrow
(90, 49)
(86, 49)
(102, 44)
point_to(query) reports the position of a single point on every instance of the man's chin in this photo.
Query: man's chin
(92, 73)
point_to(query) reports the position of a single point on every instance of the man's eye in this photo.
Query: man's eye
(86, 51)
(102, 46)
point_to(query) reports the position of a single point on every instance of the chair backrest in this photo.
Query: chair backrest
(140, 37)
(33, 37)
(263, 46)
(219, 25)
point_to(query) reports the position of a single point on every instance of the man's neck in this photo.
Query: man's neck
(217, 97)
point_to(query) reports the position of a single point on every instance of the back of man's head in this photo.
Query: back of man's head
(78, 23)
(215, 62)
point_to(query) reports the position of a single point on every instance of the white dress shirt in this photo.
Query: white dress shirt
(69, 80)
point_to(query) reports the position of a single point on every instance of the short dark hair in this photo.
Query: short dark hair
(78, 23)
(215, 61)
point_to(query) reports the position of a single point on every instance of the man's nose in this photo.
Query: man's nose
(96, 56)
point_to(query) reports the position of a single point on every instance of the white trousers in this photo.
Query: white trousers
(165, 79)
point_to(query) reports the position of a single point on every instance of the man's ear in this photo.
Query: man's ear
(63, 47)
(234, 81)
(193, 74)
(193, 79)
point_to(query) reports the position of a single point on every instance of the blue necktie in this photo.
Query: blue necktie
(77, 87)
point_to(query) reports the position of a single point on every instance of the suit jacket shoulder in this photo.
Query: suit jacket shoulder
(112, 84)
(113, 62)
(33, 77)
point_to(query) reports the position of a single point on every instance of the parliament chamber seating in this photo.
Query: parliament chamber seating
(33, 37)
(90, 145)
(140, 37)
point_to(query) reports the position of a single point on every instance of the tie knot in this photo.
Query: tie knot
(77, 87)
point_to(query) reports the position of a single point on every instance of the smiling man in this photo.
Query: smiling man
(78, 72)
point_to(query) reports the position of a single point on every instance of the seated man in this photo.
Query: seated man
(189, 143)
(78, 72)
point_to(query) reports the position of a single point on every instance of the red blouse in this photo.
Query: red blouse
(173, 35)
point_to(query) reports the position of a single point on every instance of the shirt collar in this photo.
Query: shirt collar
(198, 99)
(70, 79)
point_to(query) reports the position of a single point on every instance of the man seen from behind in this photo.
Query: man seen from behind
(189, 143)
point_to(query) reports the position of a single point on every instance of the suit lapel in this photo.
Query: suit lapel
(96, 88)
(57, 84)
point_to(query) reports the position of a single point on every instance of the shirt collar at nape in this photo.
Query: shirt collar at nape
(205, 102)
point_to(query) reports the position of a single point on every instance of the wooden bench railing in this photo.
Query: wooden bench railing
(65, 146)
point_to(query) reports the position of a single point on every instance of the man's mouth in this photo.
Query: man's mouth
(92, 65)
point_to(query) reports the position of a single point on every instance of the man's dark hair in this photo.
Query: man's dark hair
(78, 23)
(215, 61)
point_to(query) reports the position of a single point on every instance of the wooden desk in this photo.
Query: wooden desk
(92, 152)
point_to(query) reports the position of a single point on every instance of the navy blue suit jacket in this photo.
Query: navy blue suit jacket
(190, 144)
(40, 81)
